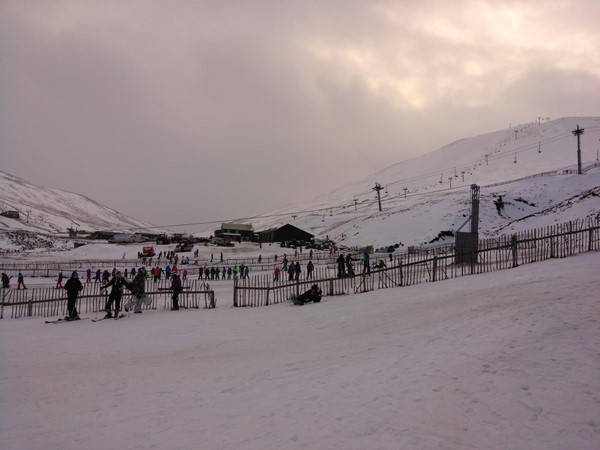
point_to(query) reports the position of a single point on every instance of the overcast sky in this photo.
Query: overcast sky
(190, 111)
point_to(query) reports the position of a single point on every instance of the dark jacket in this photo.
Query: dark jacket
(73, 286)
(176, 285)
(117, 284)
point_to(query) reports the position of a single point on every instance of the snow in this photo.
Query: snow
(502, 360)
(430, 204)
(505, 360)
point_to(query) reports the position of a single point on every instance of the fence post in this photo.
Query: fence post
(434, 270)
(401, 273)
(514, 245)
(235, 293)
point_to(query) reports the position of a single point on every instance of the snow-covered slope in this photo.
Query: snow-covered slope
(47, 210)
(426, 195)
(532, 166)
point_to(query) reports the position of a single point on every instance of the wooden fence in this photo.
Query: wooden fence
(51, 302)
(505, 252)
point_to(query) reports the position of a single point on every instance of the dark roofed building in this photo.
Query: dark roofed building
(244, 230)
(286, 232)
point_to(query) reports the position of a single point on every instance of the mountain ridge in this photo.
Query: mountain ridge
(420, 197)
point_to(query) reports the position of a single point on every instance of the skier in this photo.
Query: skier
(276, 273)
(138, 290)
(341, 262)
(98, 274)
(5, 281)
(349, 265)
(59, 281)
(177, 288)
(73, 286)
(366, 264)
(21, 281)
(297, 271)
(88, 276)
(309, 270)
(116, 292)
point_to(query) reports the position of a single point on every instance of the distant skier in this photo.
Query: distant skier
(349, 265)
(21, 281)
(73, 286)
(310, 267)
(366, 263)
(176, 287)
(5, 281)
(341, 262)
(59, 281)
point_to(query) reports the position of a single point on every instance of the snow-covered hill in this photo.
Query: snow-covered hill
(532, 166)
(47, 210)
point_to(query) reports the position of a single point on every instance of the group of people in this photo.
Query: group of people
(117, 284)
(20, 281)
(345, 265)
(138, 292)
(226, 273)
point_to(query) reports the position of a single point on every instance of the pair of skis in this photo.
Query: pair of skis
(120, 316)
(65, 320)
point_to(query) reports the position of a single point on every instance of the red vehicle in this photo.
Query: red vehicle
(148, 251)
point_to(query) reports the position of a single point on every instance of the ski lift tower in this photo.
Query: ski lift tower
(467, 242)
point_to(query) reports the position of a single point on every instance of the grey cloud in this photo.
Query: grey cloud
(191, 111)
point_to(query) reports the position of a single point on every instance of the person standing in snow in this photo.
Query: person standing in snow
(116, 293)
(176, 287)
(349, 265)
(297, 271)
(341, 262)
(309, 269)
(366, 264)
(59, 281)
(5, 281)
(20, 281)
(73, 286)
(138, 290)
